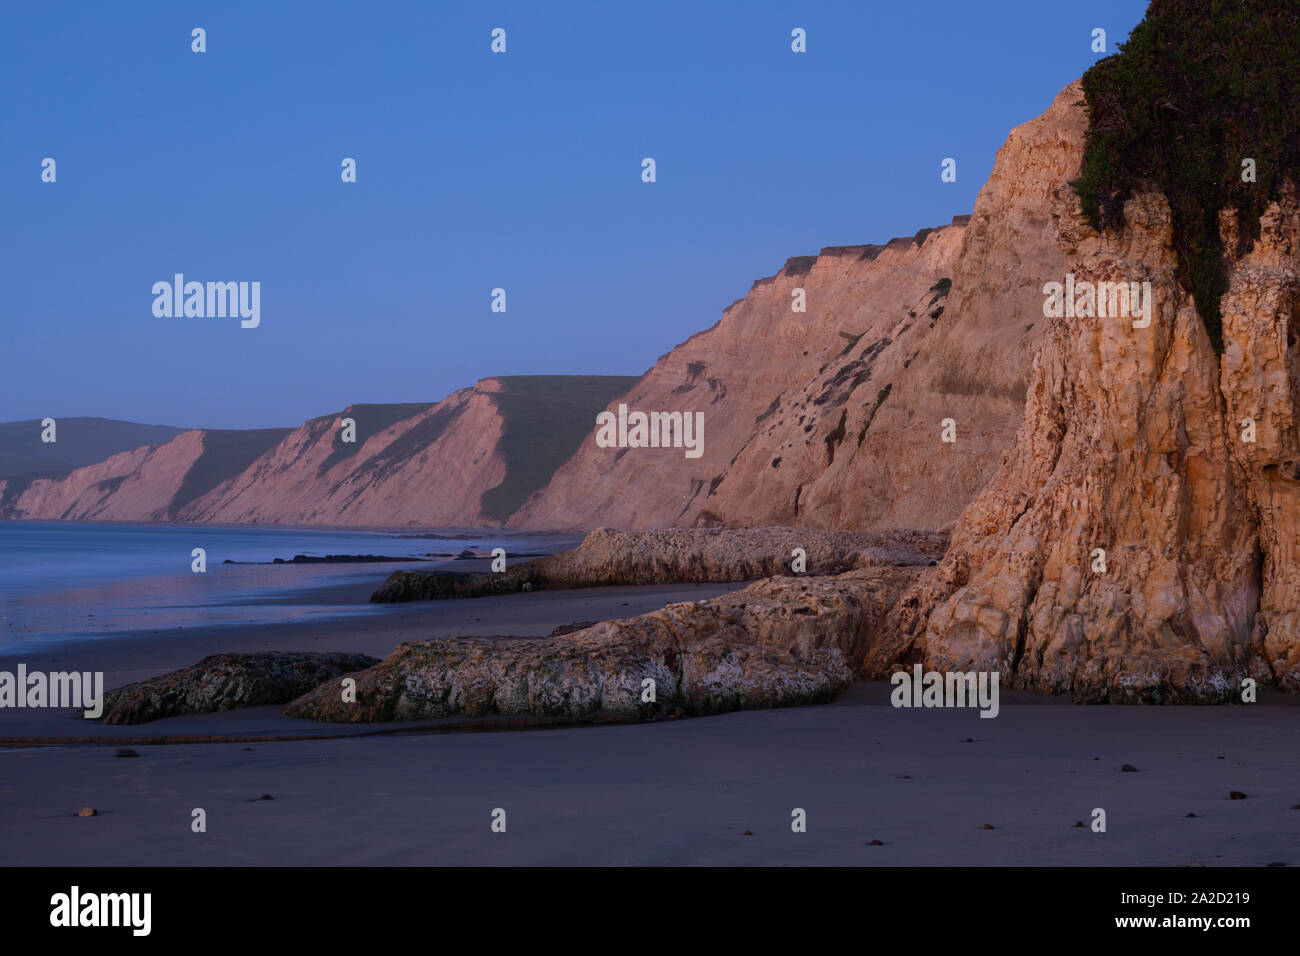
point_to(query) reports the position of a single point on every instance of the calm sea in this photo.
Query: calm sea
(72, 579)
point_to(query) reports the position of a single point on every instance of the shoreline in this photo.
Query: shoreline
(128, 656)
(715, 790)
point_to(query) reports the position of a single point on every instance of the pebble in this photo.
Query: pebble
(87, 812)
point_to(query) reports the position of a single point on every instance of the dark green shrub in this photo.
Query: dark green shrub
(1200, 86)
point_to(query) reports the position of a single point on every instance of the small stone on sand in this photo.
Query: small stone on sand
(87, 812)
(1128, 768)
(126, 752)
(1236, 795)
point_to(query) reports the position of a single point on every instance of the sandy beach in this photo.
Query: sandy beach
(714, 790)
(717, 790)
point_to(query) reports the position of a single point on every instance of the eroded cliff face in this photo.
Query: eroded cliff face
(771, 383)
(467, 460)
(823, 418)
(805, 457)
(831, 418)
(858, 445)
(1132, 444)
(428, 469)
(146, 484)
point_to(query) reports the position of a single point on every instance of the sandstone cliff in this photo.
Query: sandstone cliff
(823, 418)
(750, 375)
(470, 459)
(151, 483)
(831, 418)
(858, 445)
(1132, 442)
(1134, 543)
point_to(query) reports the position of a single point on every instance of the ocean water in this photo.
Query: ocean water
(64, 580)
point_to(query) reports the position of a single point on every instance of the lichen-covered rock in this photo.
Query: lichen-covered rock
(778, 642)
(227, 682)
(678, 555)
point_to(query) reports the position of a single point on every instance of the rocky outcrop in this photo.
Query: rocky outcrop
(778, 642)
(613, 558)
(227, 682)
(401, 586)
(1133, 443)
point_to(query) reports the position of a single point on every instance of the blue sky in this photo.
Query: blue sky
(475, 170)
